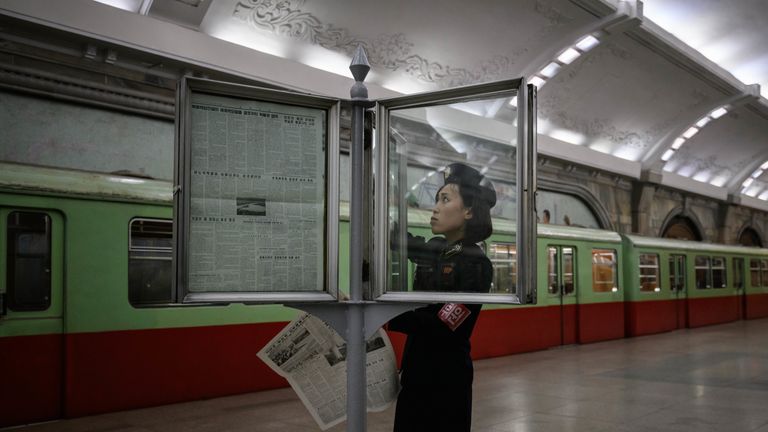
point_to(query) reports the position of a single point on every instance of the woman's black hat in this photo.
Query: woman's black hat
(469, 178)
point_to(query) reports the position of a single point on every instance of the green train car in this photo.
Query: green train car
(89, 322)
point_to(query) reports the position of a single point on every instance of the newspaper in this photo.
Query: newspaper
(312, 357)
(257, 196)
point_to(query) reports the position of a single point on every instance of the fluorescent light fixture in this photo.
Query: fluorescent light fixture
(537, 81)
(703, 121)
(764, 166)
(678, 143)
(568, 136)
(128, 5)
(702, 176)
(668, 154)
(747, 182)
(513, 101)
(127, 180)
(550, 70)
(719, 181)
(716, 114)
(757, 173)
(752, 192)
(763, 196)
(587, 43)
(484, 170)
(691, 132)
(568, 56)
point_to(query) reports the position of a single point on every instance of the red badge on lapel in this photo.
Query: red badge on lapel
(453, 314)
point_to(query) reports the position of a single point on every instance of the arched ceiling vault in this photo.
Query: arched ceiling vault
(667, 91)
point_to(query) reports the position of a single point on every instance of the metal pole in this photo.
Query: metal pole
(356, 380)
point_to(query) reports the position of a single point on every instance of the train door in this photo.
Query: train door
(31, 328)
(679, 287)
(739, 286)
(561, 275)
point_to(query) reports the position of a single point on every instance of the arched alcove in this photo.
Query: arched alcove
(681, 227)
(750, 237)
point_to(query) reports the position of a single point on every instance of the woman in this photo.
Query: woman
(437, 369)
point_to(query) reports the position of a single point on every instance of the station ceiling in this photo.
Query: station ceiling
(668, 91)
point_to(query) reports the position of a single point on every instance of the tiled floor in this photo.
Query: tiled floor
(701, 380)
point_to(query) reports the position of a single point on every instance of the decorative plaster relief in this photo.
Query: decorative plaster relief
(393, 52)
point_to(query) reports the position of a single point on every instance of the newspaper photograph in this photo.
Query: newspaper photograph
(312, 357)
(257, 196)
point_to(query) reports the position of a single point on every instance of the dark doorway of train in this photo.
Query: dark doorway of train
(561, 286)
(679, 286)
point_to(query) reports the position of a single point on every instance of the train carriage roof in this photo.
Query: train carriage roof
(687, 245)
(81, 184)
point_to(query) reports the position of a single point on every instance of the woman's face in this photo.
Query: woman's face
(449, 214)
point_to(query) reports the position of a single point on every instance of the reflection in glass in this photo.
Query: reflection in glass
(451, 168)
(703, 276)
(738, 273)
(568, 277)
(718, 272)
(552, 271)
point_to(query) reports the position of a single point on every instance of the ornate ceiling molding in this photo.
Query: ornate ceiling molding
(392, 52)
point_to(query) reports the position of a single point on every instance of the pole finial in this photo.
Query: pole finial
(359, 68)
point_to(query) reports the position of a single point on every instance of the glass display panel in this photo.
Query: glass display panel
(649, 272)
(28, 263)
(718, 272)
(451, 172)
(738, 273)
(604, 275)
(259, 204)
(504, 259)
(703, 275)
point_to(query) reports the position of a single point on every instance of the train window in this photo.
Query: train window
(504, 259)
(649, 272)
(29, 261)
(552, 284)
(738, 273)
(764, 273)
(604, 270)
(568, 274)
(718, 272)
(677, 272)
(149, 262)
(703, 275)
(754, 272)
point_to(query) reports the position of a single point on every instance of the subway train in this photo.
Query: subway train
(90, 324)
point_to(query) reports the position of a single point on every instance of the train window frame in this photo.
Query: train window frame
(47, 262)
(656, 266)
(511, 258)
(150, 253)
(714, 270)
(614, 270)
(739, 280)
(754, 272)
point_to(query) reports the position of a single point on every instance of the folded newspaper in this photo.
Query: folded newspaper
(312, 357)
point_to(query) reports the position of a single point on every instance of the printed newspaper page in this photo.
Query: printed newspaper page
(257, 213)
(312, 357)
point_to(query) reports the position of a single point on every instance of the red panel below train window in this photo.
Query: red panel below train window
(130, 369)
(712, 310)
(651, 316)
(757, 306)
(500, 332)
(601, 321)
(31, 384)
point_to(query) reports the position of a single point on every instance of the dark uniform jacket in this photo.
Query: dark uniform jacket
(437, 369)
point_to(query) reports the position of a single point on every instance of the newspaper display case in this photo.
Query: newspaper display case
(420, 137)
(256, 202)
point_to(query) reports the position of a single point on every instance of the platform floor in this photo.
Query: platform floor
(707, 379)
